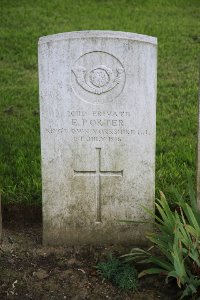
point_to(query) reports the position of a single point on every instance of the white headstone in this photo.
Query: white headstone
(98, 127)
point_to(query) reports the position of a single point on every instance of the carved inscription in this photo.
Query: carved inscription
(99, 126)
(97, 77)
(98, 173)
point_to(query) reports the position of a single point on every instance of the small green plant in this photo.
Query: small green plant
(108, 269)
(178, 242)
(119, 273)
(126, 278)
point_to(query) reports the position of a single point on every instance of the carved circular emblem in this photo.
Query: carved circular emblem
(97, 77)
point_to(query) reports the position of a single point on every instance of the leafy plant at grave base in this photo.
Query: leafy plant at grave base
(121, 274)
(178, 240)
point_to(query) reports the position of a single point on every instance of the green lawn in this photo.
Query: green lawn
(177, 26)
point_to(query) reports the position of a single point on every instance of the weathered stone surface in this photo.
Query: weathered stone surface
(98, 126)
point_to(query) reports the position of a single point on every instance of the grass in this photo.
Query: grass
(121, 274)
(175, 23)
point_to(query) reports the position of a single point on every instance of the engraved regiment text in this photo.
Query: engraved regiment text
(99, 126)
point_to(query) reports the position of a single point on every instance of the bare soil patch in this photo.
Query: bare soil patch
(29, 270)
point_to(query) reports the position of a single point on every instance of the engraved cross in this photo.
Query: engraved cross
(98, 174)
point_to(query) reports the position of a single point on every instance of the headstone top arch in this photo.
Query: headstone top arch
(98, 34)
